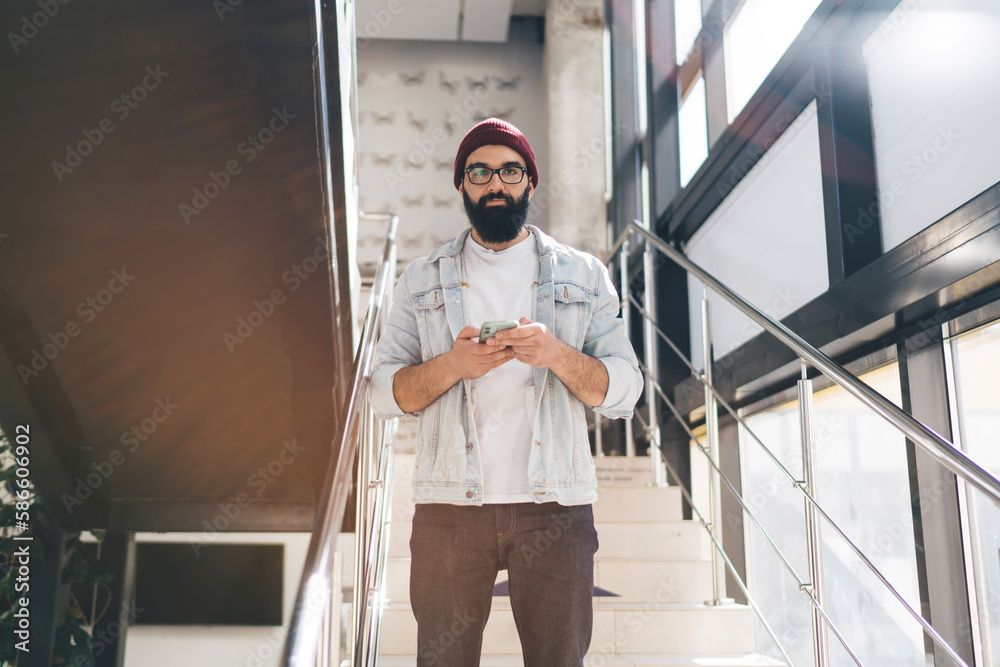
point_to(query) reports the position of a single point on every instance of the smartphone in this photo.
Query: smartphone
(490, 329)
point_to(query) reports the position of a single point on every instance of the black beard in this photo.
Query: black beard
(497, 224)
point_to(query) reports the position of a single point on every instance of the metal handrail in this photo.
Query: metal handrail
(801, 487)
(797, 484)
(940, 448)
(306, 633)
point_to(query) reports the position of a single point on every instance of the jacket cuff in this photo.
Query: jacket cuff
(624, 387)
(380, 395)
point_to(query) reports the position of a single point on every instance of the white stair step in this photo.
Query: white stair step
(399, 538)
(662, 579)
(619, 627)
(623, 471)
(654, 579)
(676, 539)
(617, 660)
(652, 504)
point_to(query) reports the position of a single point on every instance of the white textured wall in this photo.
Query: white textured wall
(573, 181)
(766, 241)
(935, 94)
(416, 100)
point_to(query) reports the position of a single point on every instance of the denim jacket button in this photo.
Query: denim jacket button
(468, 494)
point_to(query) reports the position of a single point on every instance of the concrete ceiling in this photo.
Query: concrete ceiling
(447, 20)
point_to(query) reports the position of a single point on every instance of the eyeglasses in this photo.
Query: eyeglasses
(509, 174)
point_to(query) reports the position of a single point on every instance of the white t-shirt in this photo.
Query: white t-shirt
(500, 286)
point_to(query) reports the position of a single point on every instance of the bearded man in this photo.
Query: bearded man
(504, 475)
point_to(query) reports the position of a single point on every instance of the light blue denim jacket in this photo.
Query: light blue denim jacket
(575, 299)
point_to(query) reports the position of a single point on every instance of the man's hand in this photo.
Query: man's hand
(469, 360)
(416, 387)
(536, 346)
(533, 344)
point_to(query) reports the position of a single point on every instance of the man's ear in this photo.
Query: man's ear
(461, 189)
(531, 190)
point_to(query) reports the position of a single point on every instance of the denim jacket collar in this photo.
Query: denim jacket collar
(453, 246)
(449, 258)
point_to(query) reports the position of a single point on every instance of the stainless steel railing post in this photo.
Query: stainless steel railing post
(712, 434)
(326, 649)
(336, 595)
(358, 596)
(385, 534)
(627, 316)
(652, 377)
(814, 545)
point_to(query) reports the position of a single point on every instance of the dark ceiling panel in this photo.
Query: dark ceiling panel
(166, 260)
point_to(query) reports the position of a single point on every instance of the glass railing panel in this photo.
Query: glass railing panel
(863, 483)
(976, 359)
(780, 510)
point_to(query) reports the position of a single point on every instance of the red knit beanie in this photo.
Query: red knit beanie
(495, 132)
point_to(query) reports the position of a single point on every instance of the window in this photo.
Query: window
(755, 41)
(693, 125)
(934, 95)
(687, 19)
(775, 255)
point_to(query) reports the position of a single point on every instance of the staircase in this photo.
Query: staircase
(658, 565)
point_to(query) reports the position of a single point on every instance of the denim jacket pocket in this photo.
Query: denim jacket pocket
(573, 306)
(432, 321)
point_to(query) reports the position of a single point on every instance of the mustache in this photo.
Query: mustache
(494, 196)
